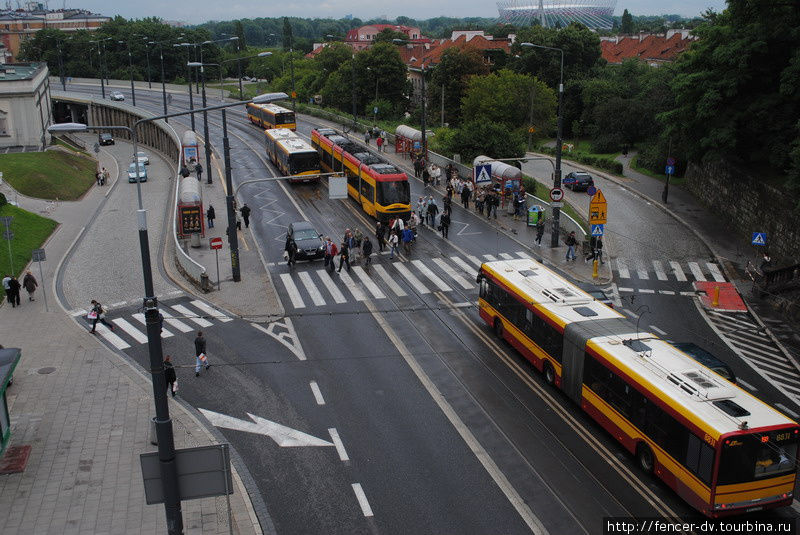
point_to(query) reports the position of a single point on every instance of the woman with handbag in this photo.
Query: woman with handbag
(98, 313)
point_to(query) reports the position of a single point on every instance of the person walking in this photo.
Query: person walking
(14, 286)
(185, 171)
(170, 377)
(379, 143)
(539, 230)
(366, 250)
(366, 137)
(245, 211)
(98, 177)
(407, 237)
(465, 194)
(480, 199)
(599, 249)
(199, 170)
(201, 358)
(433, 211)
(330, 254)
(291, 251)
(380, 232)
(571, 242)
(106, 176)
(413, 222)
(418, 168)
(436, 174)
(344, 256)
(211, 214)
(447, 205)
(444, 223)
(7, 288)
(393, 240)
(426, 176)
(29, 283)
(98, 313)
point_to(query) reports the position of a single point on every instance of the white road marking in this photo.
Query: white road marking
(615, 295)
(291, 289)
(463, 265)
(115, 340)
(677, 270)
(285, 437)
(371, 286)
(475, 260)
(786, 409)
(641, 270)
(211, 311)
(311, 288)
(288, 338)
(659, 331)
(317, 393)
(452, 273)
(389, 281)
(325, 277)
(666, 292)
(690, 294)
(490, 258)
(622, 269)
(362, 499)
(697, 273)
(117, 304)
(715, 272)
(623, 289)
(191, 316)
(352, 286)
(646, 291)
(659, 269)
(141, 319)
(506, 256)
(415, 282)
(746, 385)
(178, 324)
(523, 254)
(132, 331)
(337, 442)
(628, 312)
(431, 276)
(80, 312)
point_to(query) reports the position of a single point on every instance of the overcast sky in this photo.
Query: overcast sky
(197, 11)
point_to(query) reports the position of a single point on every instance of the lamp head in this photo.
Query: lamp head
(269, 97)
(67, 127)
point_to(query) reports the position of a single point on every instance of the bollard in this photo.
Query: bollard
(715, 300)
(595, 264)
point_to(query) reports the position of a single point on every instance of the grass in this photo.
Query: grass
(249, 89)
(70, 146)
(673, 181)
(543, 192)
(52, 174)
(30, 232)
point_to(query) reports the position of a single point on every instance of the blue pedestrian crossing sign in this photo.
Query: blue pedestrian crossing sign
(483, 174)
(598, 229)
(759, 238)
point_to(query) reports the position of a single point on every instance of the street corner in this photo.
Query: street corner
(721, 296)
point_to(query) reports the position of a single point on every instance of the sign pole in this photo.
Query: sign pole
(8, 235)
(216, 254)
(44, 293)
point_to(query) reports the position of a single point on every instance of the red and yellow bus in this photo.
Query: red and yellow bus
(271, 116)
(721, 449)
(292, 155)
(380, 188)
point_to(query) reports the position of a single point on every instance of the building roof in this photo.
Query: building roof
(651, 48)
(352, 35)
(415, 56)
(20, 71)
(52, 16)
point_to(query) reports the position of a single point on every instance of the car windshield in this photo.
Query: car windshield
(105, 136)
(395, 192)
(305, 234)
(304, 162)
(132, 168)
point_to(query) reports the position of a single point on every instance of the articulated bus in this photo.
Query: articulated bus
(380, 188)
(271, 116)
(292, 155)
(721, 449)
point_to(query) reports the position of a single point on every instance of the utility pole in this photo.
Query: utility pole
(424, 110)
(442, 105)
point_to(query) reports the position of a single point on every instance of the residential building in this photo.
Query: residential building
(24, 105)
(652, 48)
(363, 37)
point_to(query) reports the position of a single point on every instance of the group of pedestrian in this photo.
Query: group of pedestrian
(101, 176)
(200, 358)
(12, 288)
(379, 136)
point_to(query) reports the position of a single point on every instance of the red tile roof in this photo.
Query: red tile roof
(649, 48)
(414, 57)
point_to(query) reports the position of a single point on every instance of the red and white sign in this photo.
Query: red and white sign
(216, 243)
(556, 194)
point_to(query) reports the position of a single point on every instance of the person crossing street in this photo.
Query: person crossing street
(201, 358)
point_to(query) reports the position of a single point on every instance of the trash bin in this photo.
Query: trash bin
(535, 214)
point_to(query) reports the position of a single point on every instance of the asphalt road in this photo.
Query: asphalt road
(443, 428)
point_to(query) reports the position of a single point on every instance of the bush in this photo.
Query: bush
(3, 200)
(600, 162)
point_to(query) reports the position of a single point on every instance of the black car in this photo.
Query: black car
(308, 240)
(578, 181)
(106, 139)
(707, 359)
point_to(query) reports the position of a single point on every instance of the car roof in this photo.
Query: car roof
(302, 225)
(105, 134)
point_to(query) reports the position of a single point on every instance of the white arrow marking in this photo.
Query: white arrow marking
(288, 338)
(285, 437)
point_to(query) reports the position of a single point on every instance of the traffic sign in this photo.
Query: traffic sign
(215, 243)
(669, 170)
(598, 229)
(483, 174)
(375, 110)
(598, 209)
(759, 238)
(671, 161)
(294, 94)
(37, 255)
(591, 190)
(531, 129)
(556, 194)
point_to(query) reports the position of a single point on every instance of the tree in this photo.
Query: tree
(451, 75)
(241, 44)
(626, 25)
(387, 35)
(476, 137)
(287, 34)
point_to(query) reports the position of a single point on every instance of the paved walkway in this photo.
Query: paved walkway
(86, 411)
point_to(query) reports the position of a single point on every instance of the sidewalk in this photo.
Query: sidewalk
(85, 411)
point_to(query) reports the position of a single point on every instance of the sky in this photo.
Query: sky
(205, 10)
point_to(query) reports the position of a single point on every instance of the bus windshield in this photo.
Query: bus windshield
(395, 192)
(758, 456)
(284, 118)
(308, 161)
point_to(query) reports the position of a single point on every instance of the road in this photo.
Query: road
(437, 427)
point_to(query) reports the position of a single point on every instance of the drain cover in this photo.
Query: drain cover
(45, 371)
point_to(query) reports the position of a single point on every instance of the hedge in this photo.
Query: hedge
(600, 162)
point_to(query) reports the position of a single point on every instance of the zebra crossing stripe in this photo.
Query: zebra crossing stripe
(115, 340)
(291, 289)
(660, 275)
(141, 319)
(178, 324)
(191, 316)
(463, 265)
(506, 256)
(371, 286)
(641, 271)
(523, 254)
(452, 273)
(475, 260)
(715, 272)
(332, 289)
(352, 286)
(622, 269)
(697, 273)
(389, 281)
(431, 276)
(132, 331)
(490, 258)
(211, 311)
(415, 282)
(316, 296)
(677, 270)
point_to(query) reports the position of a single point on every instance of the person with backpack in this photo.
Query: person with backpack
(344, 255)
(571, 242)
(98, 313)
(433, 211)
(366, 250)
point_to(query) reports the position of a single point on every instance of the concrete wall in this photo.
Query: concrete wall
(25, 112)
(750, 206)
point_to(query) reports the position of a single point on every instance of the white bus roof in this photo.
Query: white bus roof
(290, 141)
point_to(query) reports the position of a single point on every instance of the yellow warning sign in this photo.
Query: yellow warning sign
(294, 94)
(531, 129)
(598, 209)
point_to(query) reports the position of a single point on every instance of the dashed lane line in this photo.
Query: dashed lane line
(337, 442)
(317, 393)
(362, 499)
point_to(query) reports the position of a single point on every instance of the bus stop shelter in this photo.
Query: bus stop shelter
(8, 361)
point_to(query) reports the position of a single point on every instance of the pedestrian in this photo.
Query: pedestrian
(359, 239)
(290, 251)
(185, 171)
(366, 137)
(422, 206)
(344, 256)
(447, 205)
(465, 194)
(379, 143)
(413, 221)
(492, 201)
(106, 175)
(380, 232)
(599, 246)
(571, 242)
(15, 288)
(480, 200)
(169, 376)
(201, 358)
(98, 177)
(436, 174)
(592, 249)
(449, 171)
(7, 288)
(211, 214)
(407, 237)
(98, 313)
(444, 223)
(399, 226)
(245, 211)
(539, 230)
(393, 240)
(433, 210)
(29, 283)
(426, 176)
(199, 170)
(449, 189)
(366, 250)
(330, 254)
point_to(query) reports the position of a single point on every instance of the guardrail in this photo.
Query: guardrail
(567, 223)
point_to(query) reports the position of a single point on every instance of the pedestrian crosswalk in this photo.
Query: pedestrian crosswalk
(316, 287)
(657, 270)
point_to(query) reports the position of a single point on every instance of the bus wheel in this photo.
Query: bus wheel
(644, 455)
(549, 373)
(498, 328)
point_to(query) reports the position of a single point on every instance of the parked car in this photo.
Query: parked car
(143, 158)
(707, 359)
(597, 294)
(308, 240)
(105, 139)
(116, 95)
(578, 181)
(132, 172)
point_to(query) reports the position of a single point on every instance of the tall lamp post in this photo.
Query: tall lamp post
(163, 422)
(208, 147)
(163, 81)
(557, 171)
(61, 66)
(101, 64)
(130, 69)
(239, 69)
(147, 53)
(188, 79)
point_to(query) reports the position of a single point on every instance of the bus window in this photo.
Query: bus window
(367, 191)
(304, 162)
(751, 457)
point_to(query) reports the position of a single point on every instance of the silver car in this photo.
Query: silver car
(132, 172)
(116, 95)
(143, 158)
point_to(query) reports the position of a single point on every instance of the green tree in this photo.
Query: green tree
(241, 44)
(626, 25)
(387, 35)
(451, 75)
(477, 137)
(287, 34)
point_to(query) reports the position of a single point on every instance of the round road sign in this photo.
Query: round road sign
(556, 194)
(591, 190)
(216, 243)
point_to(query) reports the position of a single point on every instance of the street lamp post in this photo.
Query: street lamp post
(189, 79)
(147, 53)
(61, 66)
(130, 69)
(101, 64)
(557, 171)
(424, 99)
(208, 147)
(163, 81)
(239, 69)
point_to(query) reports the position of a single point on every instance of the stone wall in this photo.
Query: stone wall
(749, 205)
